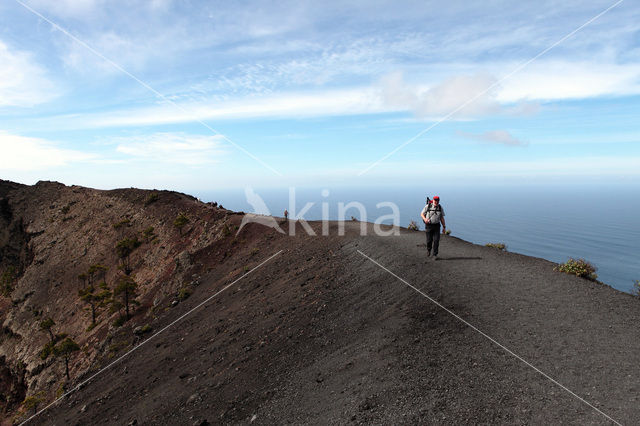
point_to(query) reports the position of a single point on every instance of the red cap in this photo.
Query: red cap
(436, 197)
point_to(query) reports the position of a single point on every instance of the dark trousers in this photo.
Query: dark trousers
(433, 237)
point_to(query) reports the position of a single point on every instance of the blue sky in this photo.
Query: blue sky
(197, 96)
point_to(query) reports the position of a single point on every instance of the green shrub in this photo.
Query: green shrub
(152, 198)
(119, 321)
(636, 287)
(499, 246)
(32, 401)
(578, 267)
(447, 232)
(61, 390)
(412, 226)
(184, 293)
(7, 280)
(146, 328)
(148, 234)
(47, 350)
(122, 224)
(254, 251)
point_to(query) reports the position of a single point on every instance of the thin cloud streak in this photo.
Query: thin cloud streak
(500, 137)
(516, 97)
(174, 148)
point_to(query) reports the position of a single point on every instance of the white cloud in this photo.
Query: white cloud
(25, 153)
(67, 8)
(175, 148)
(557, 80)
(295, 105)
(460, 96)
(23, 83)
(518, 95)
(501, 137)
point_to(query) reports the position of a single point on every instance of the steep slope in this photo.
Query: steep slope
(319, 333)
(51, 235)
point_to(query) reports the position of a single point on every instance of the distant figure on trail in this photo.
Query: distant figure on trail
(432, 215)
(286, 214)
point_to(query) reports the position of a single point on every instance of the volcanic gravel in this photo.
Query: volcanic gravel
(320, 334)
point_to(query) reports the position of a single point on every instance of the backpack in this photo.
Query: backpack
(432, 208)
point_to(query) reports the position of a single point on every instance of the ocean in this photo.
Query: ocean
(599, 224)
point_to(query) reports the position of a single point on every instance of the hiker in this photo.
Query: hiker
(286, 214)
(433, 214)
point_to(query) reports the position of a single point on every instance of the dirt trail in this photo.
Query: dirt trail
(321, 334)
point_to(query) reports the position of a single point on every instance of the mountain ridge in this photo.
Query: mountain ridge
(331, 329)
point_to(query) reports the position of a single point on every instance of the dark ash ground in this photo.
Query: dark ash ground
(322, 335)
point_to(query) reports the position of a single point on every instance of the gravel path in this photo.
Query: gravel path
(321, 334)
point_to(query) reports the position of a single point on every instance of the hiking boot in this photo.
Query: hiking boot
(435, 257)
(428, 253)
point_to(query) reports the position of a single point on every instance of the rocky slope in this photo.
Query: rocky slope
(50, 235)
(318, 334)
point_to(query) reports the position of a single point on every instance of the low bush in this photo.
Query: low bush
(152, 198)
(184, 293)
(122, 224)
(578, 267)
(447, 232)
(148, 234)
(499, 246)
(120, 321)
(126, 246)
(7, 280)
(47, 350)
(32, 401)
(636, 287)
(412, 226)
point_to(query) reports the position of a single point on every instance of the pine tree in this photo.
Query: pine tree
(46, 325)
(124, 248)
(127, 290)
(181, 221)
(87, 296)
(64, 349)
